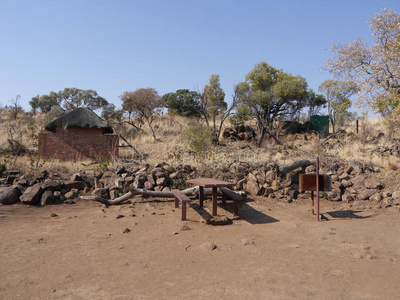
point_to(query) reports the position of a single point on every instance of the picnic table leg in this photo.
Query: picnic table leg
(201, 195)
(312, 202)
(176, 202)
(235, 208)
(214, 201)
(183, 211)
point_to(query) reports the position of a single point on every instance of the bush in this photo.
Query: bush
(199, 138)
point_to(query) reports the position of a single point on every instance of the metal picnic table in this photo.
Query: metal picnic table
(210, 183)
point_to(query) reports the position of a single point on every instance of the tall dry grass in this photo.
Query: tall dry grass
(172, 148)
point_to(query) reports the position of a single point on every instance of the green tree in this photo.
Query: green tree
(72, 98)
(375, 69)
(337, 92)
(340, 113)
(183, 102)
(144, 103)
(69, 99)
(271, 94)
(315, 102)
(213, 107)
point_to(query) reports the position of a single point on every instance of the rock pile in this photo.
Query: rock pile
(351, 183)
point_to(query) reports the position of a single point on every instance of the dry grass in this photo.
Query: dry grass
(170, 147)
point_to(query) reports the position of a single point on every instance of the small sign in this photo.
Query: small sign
(308, 182)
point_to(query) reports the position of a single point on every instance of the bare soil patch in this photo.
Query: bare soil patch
(144, 251)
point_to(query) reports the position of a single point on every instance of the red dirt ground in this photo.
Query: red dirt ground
(276, 251)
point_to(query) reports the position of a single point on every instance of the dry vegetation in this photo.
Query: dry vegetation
(172, 146)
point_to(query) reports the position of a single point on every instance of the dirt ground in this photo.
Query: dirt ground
(144, 251)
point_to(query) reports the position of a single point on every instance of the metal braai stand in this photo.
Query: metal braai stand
(317, 183)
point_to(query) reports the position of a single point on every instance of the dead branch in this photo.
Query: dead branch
(194, 191)
(293, 166)
(130, 146)
(332, 135)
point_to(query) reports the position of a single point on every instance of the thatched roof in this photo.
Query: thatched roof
(81, 117)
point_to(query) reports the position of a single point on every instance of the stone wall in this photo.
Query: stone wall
(77, 143)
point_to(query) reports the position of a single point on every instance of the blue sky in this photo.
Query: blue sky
(117, 46)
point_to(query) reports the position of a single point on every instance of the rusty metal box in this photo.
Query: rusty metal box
(307, 182)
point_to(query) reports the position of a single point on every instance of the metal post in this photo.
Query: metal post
(357, 126)
(201, 196)
(317, 187)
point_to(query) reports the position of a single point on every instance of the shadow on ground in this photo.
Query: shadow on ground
(346, 214)
(246, 213)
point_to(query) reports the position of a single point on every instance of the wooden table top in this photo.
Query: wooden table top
(210, 182)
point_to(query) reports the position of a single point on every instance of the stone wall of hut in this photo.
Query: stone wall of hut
(78, 144)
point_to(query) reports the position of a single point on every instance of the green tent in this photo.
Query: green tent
(321, 123)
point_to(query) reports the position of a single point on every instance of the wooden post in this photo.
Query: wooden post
(357, 126)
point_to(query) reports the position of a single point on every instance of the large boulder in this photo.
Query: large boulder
(32, 194)
(9, 195)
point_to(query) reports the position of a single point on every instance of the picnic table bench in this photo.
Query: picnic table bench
(181, 197)
(227, 193)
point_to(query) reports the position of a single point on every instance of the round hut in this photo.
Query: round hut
(77, 135)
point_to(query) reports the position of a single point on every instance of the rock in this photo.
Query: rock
(270, 175)
(47, 198)
(346, 198)
(208, 246)
(119, 170)
(348, 169)
(377, 197)
(148, 185)
(150, 179)
(129, 180)
(344, 176)
(365, 194)
(42, 176)
(10, 195)
(76, 177)
(32, 194)
(246, 242)
(396, 195)
(373, 184)
(311, 169)
(253, 188)
(346, 183)
(102, 192)
(218, 220)
(72, 194)
(80, 185)
(333, 195)
(52, 185)
(108, 179)
(162, 181)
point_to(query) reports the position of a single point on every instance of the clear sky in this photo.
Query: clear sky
(120, 45)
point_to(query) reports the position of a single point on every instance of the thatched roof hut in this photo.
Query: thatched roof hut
(82, 117)
(79, 134)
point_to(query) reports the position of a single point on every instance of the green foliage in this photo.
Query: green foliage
(179, 183)
(69, 99)
(199, 139)
(104, 163)
(35, 162)
(183, 102)
(242, 115)
(337, 95)
(315, 102)
(271, 94)
(174, 156)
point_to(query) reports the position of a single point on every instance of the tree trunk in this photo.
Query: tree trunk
(293, 166)
(194, 191)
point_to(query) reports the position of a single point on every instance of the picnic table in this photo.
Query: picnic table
(210, 183)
